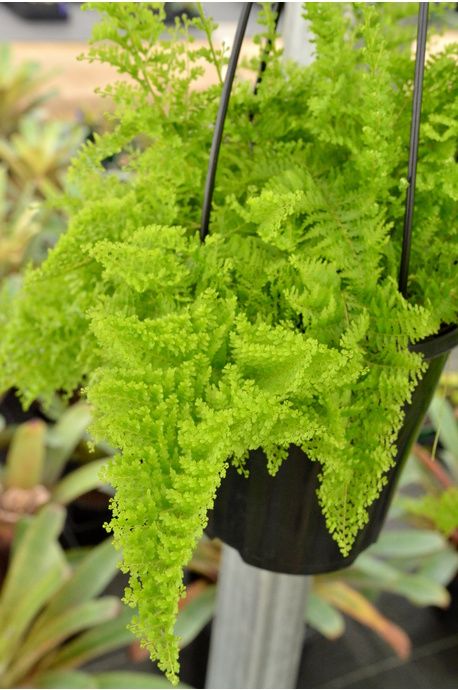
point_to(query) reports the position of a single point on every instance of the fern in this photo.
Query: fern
(286, 325)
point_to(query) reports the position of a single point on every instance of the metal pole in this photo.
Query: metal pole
(259, 627)
(220, 119)
(296, 34)
(422, 28)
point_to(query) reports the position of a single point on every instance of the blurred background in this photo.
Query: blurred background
(388, 621)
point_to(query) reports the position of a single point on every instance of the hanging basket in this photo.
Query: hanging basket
(276, 523)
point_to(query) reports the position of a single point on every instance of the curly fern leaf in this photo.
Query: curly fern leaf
(285, 326)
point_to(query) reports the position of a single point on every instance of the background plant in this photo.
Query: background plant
(430, 481)
(53, 619)
(21, 90)
(286, 325)
(415, 556)
(37, 457)
(34, 154)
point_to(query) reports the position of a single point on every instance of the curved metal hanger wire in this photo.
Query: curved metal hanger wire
(223, 106)
(422, 26)
(420, 55)
(221, 117)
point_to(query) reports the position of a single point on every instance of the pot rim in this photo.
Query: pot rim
(439, 344)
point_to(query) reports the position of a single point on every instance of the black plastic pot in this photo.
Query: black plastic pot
(275, 523)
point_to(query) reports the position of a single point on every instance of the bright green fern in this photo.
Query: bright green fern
(286, 325)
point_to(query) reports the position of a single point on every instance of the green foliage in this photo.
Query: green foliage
(35, 461)
(21, 90)
(412, 563)
(435, 473)
(53, 618)
(443, 416)
(38, 153)
(18, 226)
(441, 510)
(285, 326)
(196, 614)
(34, 154)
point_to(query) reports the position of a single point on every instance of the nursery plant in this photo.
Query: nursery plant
(433, 472)
(37, 154)
(33, 162)
(285, 326)
(36, 459)
(18, 226)
(21, 90)
(53, 619)
(34, 154)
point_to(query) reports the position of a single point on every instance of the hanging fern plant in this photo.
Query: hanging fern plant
(285, 326)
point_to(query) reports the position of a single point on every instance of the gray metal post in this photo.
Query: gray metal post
(297, 45)
(259, 627)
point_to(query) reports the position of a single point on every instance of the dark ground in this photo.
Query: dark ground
(361, 660)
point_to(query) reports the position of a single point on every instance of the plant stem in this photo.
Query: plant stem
(208, 34)
(433, 466)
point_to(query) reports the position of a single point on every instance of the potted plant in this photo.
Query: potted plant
(53, 619)
(37, 470)
(433, 472)
(285, 327)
